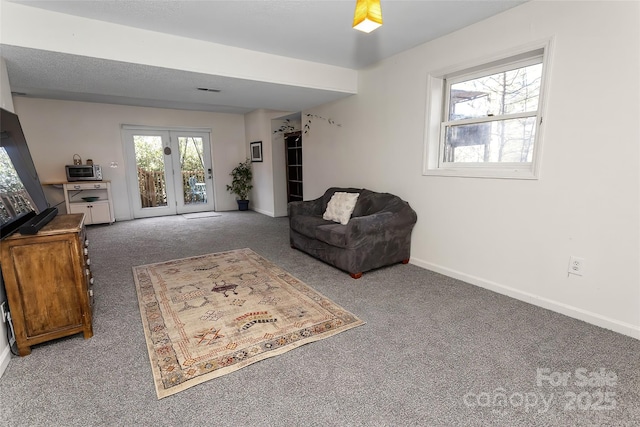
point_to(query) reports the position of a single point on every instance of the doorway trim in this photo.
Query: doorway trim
(172, 134)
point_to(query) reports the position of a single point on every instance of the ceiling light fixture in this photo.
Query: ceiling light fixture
(206, 89)
(368, 15)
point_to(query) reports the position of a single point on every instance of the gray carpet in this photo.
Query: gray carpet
(434, 352)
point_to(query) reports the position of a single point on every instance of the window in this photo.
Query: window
(485, 120)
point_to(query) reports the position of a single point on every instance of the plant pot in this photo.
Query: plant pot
(243, 205)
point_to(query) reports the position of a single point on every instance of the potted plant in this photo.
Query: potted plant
(241, 183)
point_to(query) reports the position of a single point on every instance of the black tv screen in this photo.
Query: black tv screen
(21, 193)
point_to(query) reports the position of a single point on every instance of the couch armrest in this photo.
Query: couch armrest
(387, 223)
(307, 207)
(364, 225)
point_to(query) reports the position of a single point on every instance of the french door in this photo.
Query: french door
(169, 171)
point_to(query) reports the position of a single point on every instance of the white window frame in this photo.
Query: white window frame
(437, 105)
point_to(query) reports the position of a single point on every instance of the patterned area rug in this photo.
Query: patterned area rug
(211, 315)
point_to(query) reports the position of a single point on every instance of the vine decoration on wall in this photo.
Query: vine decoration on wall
(307, 125)
(286, 127)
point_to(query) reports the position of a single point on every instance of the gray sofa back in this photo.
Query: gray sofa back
(369, 202)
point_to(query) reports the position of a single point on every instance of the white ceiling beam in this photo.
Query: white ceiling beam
(36, 28)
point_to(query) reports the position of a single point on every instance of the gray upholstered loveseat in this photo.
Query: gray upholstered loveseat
(378, 233)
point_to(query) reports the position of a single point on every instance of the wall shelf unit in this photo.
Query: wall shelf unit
(293, 147)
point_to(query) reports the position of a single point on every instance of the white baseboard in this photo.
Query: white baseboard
(5, 358)
(568, 310)
(263, 212)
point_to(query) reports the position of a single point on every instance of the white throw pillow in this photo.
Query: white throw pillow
(340, 207)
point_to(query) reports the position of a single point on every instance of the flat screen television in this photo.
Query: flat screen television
(21, 193)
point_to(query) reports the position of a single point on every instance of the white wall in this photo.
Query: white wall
(261, 197)
(56, 130)
(267, 175)
(514, 236)
(6, 100)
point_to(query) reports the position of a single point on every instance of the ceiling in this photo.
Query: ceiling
(318, 31)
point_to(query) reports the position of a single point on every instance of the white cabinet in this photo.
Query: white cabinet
(98, 211)
(94, 213)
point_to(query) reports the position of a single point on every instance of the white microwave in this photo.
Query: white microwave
(83, 173)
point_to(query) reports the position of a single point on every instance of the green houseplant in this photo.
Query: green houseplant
(241, 183)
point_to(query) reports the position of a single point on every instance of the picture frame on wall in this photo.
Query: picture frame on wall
(256, 151)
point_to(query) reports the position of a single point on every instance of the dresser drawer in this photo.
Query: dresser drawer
(87, 186)
(48, 281)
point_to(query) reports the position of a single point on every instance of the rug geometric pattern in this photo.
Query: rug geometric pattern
(210, 315)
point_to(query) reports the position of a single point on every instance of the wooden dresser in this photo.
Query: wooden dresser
(48, 282)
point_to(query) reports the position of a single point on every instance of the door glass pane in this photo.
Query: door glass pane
(508, 92)
(151, 176)
(509, 141)
(194, 187)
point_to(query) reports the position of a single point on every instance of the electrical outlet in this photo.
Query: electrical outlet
(3, 310)
(576, 265)
(12, 333)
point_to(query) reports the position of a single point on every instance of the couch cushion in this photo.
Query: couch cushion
(332, 234)
(329, 193)
(364, 203)
(306, 224)
(340, 207)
